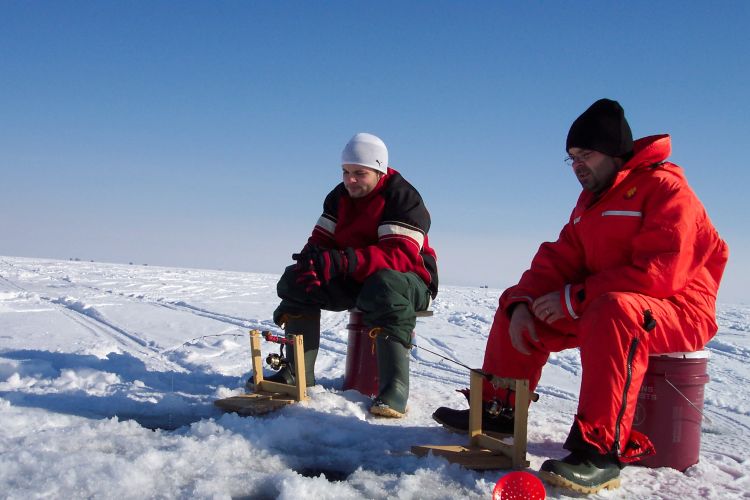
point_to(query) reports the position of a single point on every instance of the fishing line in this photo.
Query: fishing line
(415, 346)
(201, 338)
(165, 352)
(478, 371)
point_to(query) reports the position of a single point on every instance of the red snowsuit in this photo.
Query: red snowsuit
(646, 244)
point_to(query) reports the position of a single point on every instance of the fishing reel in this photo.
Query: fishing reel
(497, 409)
(277, 361)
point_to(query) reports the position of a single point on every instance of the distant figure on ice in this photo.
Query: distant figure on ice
(368, 250)
(634, 272)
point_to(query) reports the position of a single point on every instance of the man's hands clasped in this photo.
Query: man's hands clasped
(523, 335)
(317, 266)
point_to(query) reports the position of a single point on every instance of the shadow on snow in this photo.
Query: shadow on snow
(154, 399)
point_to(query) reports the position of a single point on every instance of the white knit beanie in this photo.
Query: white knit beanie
(366, 150)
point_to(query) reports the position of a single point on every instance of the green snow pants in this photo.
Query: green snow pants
(388, 300)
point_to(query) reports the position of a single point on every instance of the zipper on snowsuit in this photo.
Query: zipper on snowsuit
(628, 381)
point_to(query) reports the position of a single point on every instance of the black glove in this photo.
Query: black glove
(330, 264)
(306, 275)
(304, 257)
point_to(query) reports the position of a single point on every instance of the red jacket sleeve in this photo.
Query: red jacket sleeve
(555, 264)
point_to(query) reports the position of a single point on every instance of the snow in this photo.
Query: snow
(108, 373)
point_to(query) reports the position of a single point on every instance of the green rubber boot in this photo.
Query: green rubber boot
(393, 374)
(583, 472)
(309, 328)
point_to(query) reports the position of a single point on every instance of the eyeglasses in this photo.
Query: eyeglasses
(582, 158)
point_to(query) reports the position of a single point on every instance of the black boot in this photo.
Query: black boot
(309, 328)
(393, 375)
(495, 419)
(583, 472)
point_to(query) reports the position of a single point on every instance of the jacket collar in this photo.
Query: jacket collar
(648, 151)
(378, 187)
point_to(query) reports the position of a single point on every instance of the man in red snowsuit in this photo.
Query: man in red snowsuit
(369, 250)
(634, 272)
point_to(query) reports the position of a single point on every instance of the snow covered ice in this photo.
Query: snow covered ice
(108, 373)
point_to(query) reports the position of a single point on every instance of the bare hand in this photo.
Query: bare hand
(522, 330)
(548, 308)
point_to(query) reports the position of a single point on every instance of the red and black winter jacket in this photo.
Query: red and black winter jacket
(387, 229)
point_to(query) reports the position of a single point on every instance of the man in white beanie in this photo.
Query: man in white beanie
(368, 250)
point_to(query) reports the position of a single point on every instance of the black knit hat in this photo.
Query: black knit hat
(603, 128)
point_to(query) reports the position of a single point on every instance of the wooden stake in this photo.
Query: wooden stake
(475, 407)
(520, 423)
(299, 368)
(255, 356)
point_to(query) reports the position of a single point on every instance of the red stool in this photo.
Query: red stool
(361, 361)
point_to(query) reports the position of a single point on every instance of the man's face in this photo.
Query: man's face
(359, 181)
(594, 170)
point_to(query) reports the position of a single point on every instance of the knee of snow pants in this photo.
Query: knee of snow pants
(337, 295)
(389, 300)
(503, 360)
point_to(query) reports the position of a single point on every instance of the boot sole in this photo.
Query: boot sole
(498, 435)
(556, 480)
(386, 412)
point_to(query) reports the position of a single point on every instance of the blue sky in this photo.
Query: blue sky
(206, 134)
